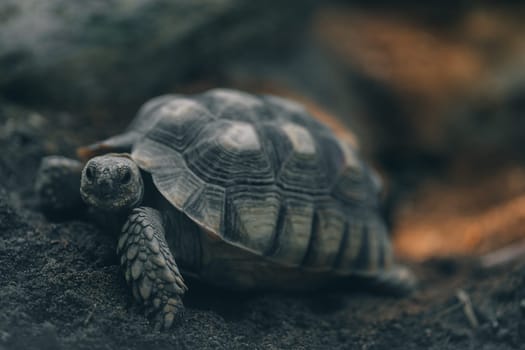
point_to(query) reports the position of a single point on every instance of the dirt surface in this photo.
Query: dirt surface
(61, 287)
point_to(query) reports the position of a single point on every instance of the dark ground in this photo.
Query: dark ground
(61, 288)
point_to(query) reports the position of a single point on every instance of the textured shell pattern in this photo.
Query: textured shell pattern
(260, 173)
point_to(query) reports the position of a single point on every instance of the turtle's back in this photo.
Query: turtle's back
(262, 175)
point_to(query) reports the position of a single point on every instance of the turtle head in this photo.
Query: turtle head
(112, 182)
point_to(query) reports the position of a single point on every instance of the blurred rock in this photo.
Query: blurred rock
(451, 88)
(121, 52)
(475, 214)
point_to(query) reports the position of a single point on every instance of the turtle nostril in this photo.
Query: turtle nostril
(90, 173)
(126, 177)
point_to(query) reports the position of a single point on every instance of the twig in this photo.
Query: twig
(90, 315)
(467, 308)
(503, 256)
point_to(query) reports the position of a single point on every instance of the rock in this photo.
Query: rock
(121, 52)
(432, 90)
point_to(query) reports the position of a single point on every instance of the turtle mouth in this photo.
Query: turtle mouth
(112, 200)
(106, 196)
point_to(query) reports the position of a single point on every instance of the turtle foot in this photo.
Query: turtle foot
(150, 268)
(57, 186)
(398, 280)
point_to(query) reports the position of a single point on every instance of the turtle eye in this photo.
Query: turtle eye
(90, 173)
(126, 176)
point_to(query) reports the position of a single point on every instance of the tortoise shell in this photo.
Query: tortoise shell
(261, 174)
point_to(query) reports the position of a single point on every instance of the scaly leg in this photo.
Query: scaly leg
(150, 268)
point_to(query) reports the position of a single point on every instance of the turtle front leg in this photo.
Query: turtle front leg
(150, 268)
(57, 186)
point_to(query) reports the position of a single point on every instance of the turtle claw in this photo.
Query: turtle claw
(168, 316)
(398, 280)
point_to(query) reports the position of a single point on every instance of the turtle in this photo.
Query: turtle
(241, 191)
